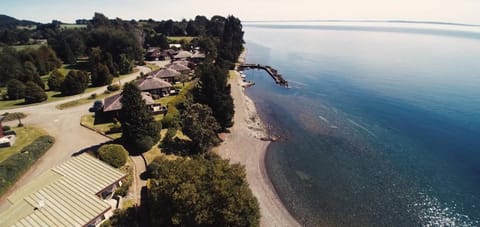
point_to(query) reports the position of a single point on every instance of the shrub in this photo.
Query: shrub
(75, 83)
(171, 132)
(126, 182)
(15, 89)
(139, 145)
(6, 128)
(14, 166)
(34, 93)
(114, 129)
(113, 154)
(113, 87)
(172, 118)
(55, 80)
(93, 96)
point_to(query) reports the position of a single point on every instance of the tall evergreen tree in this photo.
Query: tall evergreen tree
(232, 39)
(139, 130)
(214, 91)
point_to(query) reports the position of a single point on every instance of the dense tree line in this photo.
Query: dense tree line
(20, 70)
(27, 65)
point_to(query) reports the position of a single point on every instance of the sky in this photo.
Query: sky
(455, 11)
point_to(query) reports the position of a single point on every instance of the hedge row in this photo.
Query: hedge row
(14, 166)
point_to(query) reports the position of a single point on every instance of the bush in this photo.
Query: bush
(126, 182)
(113, 154)
(55, 80)
(172, 118)
(14, 166)
(93, 96)
(75, 83)
(15, 89)
(171, 132)
(114, 129)
(34, 93)
(113, 87)
(6, 128)
(143, 144)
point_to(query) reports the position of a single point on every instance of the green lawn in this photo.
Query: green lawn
(178, 38)
(85, 100)
(89, 121)
(152, 67)
(25, 136)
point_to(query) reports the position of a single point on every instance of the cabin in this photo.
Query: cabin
(153, 54)
(198, 56)
(77, 192)
(167, 74)
(183, 55)
(112, 104)
(155, 86)
(179, 68)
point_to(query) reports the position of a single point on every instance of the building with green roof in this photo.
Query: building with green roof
(71, 194)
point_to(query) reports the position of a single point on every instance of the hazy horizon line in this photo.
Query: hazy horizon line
(366, 20)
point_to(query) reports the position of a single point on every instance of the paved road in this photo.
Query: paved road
(64, 125)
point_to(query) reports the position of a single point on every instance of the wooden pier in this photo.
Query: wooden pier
(273, 73)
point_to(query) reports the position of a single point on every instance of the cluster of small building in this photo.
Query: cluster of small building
(173, 53)
(159, 83)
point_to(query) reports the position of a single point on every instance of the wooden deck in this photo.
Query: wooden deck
(273, 73)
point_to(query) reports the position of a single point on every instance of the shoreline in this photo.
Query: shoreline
(247, 144)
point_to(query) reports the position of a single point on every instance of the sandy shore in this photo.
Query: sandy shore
(244, 145)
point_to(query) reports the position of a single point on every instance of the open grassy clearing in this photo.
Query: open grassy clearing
(104, 127)
(86, 100)
(178, 38)
(25, 136)
(152, 67)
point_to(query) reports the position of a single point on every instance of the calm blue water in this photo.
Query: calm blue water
(381, 126)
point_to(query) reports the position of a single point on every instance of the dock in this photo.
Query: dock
(270, 70)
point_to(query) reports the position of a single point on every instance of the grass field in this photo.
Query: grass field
(84, 100)
(178, 38)
(89, 121)
(25, 136)
(152, 67)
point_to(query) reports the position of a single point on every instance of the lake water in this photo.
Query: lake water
(381, 125)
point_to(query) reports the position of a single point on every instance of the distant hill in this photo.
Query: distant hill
(8, 21)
